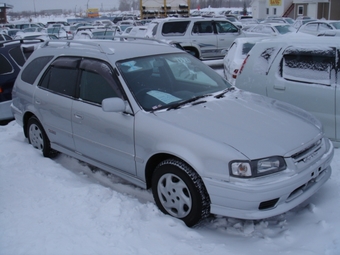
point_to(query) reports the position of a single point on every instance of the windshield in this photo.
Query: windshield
(161, 81)
(285, 29)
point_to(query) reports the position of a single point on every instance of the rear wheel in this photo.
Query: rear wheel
(179, 191)
(38, 138)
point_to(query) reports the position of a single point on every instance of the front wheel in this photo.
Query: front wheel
(179, 191)
(38, 138)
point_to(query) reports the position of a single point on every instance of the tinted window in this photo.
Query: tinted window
(33, 69)
(62, 76)
(17, 55)
(175, 28)
(5, 65)
(205, 27)
(97, 82)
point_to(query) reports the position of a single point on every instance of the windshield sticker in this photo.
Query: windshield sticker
(132, 66)
(163, 97)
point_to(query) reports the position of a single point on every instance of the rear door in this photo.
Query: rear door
(53, 100)
(227, 32)
(203, 34)
(306, 77)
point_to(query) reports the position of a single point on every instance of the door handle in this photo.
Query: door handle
(79, 117)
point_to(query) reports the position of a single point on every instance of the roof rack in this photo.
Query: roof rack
(96, 43)
(70, 43)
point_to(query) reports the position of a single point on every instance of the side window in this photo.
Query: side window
(311, 27)
(61, 77)
(223, 27)
(97, 82)
(308, 66)
(5, 65)
(17, 55)
(323, 27)
(33, 69)
(175, 28)
(203, 27)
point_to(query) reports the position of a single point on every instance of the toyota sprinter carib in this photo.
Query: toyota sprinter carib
(163, 120)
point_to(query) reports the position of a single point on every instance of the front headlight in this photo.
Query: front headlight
(259, 167)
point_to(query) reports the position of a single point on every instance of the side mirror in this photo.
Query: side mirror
(113, 104)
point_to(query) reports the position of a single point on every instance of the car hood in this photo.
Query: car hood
(254, 125)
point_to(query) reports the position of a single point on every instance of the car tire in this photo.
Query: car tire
(179, 191)
(38, 138)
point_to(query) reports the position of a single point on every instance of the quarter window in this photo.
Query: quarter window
(33, 69)
(175, 28)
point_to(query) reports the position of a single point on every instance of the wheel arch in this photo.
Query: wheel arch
(154, 161)
(193, 49)
(26, 117)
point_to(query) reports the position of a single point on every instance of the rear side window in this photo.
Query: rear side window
(33, 69)
(309, 66)
(175, 28)
(17, 55)
(5, 65)
(62, 76)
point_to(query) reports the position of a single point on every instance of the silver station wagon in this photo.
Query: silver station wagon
(163, 120)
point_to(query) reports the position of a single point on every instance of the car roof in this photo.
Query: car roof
(114, 50)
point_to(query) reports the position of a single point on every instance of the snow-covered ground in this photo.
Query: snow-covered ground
(58, 206)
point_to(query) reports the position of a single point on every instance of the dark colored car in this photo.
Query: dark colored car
(13, 55)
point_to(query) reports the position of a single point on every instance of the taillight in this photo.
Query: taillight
(243, 64)
(235, 73)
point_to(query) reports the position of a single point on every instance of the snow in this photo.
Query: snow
(59, 207)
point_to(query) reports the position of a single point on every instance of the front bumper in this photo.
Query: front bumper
(268, 196)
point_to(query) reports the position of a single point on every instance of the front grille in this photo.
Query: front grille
(307, 153)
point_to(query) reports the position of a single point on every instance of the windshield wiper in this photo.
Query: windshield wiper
(181, 103)
(224, 91)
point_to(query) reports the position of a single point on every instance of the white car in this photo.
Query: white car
(272, 29)
(319, 26)
(138, 31)
(236, 55)
(163, 120)
(301, 72)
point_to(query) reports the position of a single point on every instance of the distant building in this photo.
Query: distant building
(3, 10)
(52, 12)
(327, 9)
(156, 8)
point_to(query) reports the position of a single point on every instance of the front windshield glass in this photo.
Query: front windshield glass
(161, 81)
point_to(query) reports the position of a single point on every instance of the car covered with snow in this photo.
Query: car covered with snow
(303, 72)
(165, 121)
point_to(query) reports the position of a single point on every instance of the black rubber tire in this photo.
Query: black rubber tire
(38, 138)
(179, 191)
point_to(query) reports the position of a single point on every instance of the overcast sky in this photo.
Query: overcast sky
(38, 5)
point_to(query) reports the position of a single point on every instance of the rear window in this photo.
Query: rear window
(175, 28)
(33, 69)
